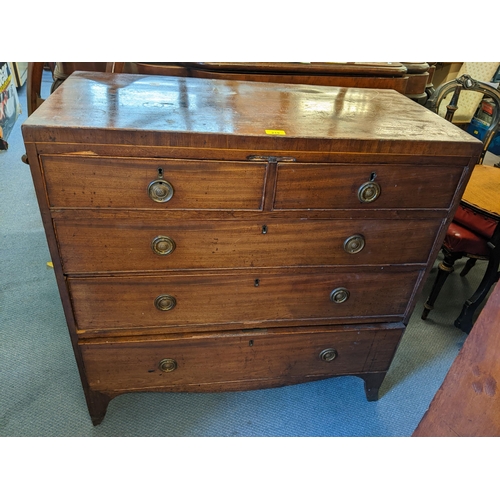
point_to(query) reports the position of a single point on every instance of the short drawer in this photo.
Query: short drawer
(241, 299)
(239, 361)
(99, 245)
(328, 186)
(98, 182)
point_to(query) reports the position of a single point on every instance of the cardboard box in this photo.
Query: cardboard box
(10, 108)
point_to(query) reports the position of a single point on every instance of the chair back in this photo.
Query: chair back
(466, 82)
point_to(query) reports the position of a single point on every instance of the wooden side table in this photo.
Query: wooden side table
(468, 402)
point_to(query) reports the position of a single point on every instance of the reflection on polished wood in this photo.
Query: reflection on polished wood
(410, 79)
(371, 121)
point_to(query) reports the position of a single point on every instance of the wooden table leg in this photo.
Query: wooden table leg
(97, 404)
(373, 381)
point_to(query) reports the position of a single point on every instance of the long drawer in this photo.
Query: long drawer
(98, 245)
(244, 299)
(238, 361)
(338, 186)
(100, 182)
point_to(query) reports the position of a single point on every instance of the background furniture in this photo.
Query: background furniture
(468, 402)
(474, 232)
(60, 72)
(223, 235)
(359, 75)
(469, 102)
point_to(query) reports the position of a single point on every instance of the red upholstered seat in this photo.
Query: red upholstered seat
(460, 239)
(480, 224)
(469, 233)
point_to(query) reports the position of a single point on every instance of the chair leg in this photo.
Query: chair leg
(445, 268)
(468, 266)
(491, 275)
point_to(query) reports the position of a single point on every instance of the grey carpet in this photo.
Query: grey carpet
(40, 391)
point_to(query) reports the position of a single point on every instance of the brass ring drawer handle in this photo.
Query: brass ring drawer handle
(163, 245)
(368, 192)
(328, 355)
(354, 243)
(165, 302)
(167, 365)
(339, 295)
(160, 191)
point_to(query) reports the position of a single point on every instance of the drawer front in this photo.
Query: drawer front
(244, 299)
(238, 361)
(88, 246)
(127, 183)
(309, 186)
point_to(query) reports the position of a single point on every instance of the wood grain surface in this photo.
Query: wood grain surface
(102, 245)
(243, 360)
(468, 402)
(237, 298)
(483, 188)
(97, 108)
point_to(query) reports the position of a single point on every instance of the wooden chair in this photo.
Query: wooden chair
(62, 71)
(474, 232)
(34, 80)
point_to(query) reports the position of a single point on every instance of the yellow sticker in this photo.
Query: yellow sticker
(49, 264)
(275, 132)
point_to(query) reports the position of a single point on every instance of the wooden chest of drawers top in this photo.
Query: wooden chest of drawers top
(319, 122)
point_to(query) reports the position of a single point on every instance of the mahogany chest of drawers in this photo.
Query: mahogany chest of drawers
(212, 235)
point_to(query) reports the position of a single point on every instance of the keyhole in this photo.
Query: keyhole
(264, 229)
(160, 173)
(250, 343)
(257, 282)
(373, 176)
